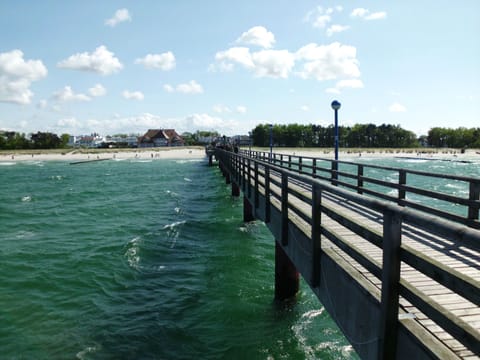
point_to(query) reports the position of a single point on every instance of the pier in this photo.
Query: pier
(401, 278)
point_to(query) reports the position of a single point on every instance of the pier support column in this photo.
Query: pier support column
(210, 160)
(247, 210)
(286, 275)
(235, 189)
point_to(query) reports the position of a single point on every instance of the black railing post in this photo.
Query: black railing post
(402, 180)
(284, 209)
(249, 178)
(267, 194)
(388, 330)
(300, 167)
(314, 167)
(475, 196)
(316, 232)
(360, 179)
(257, 191)
(243, 175)
(334, 172)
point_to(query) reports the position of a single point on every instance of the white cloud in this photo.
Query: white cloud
(101, 61)
(376, 16)
(366, 15)
(121, 15)
(207, 122)
(350, 83)
(70, 123)
(192, 87)
(240, 55)
(359, 12)
(336, 29)
(132, 95)
(16, 76)
(222, 109)
(273, 63)
(321, 62)
(305, 108)
(165, 61)
(396, 107)
(257, 35)
(345, 83)
(219, 108)
(67, 94)
(42, 104)
(320, 17)
(264, 63)
(328, 62)
(241, 109)
(97, 90)
(332, 90)
(169, 88)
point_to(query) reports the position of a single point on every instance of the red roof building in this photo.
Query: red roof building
(160, 137)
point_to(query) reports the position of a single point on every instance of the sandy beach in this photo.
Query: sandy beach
(194, 152)
(198, 152)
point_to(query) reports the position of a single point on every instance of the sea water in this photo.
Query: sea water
(146, 260)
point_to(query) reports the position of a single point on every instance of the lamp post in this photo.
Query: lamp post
(335, 106)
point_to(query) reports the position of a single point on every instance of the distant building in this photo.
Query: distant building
(241, 140)
(90, 141)
(160, 137)
(123, 140)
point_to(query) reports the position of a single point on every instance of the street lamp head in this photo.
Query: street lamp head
(336, 105)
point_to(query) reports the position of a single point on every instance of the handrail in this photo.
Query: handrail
(393, 218)
(472, 203)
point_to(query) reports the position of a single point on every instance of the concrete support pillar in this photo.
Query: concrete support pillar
(210, 160)
(286, 275)
(227, 178)
(247, 210)
(235, 189)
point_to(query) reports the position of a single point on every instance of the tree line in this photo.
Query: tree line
(11, 140)
(363, 135)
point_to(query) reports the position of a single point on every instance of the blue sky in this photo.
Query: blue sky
(126, 66)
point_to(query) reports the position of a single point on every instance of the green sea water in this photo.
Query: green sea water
(143, 260)
(150, 260)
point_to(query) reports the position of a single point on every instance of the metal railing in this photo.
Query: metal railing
(279, 185)
(358, 177)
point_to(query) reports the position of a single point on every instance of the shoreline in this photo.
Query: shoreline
(78, 155)
(198, 152)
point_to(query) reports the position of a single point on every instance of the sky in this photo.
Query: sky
(112, 67)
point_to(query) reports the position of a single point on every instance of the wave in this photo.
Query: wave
(188, 161)
(133, 253)
(7, 163)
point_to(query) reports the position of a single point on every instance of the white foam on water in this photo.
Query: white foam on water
(174, 224)
(7, 163)
(187, 179)
(173, 232)
(88, 350)
(24, 234)
(26, 199)
(188, 161)
(132, 253)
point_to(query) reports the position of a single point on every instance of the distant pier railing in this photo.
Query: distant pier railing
(392, 277)
(400, 188)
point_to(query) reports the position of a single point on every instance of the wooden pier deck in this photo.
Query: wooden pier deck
(400, 281)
